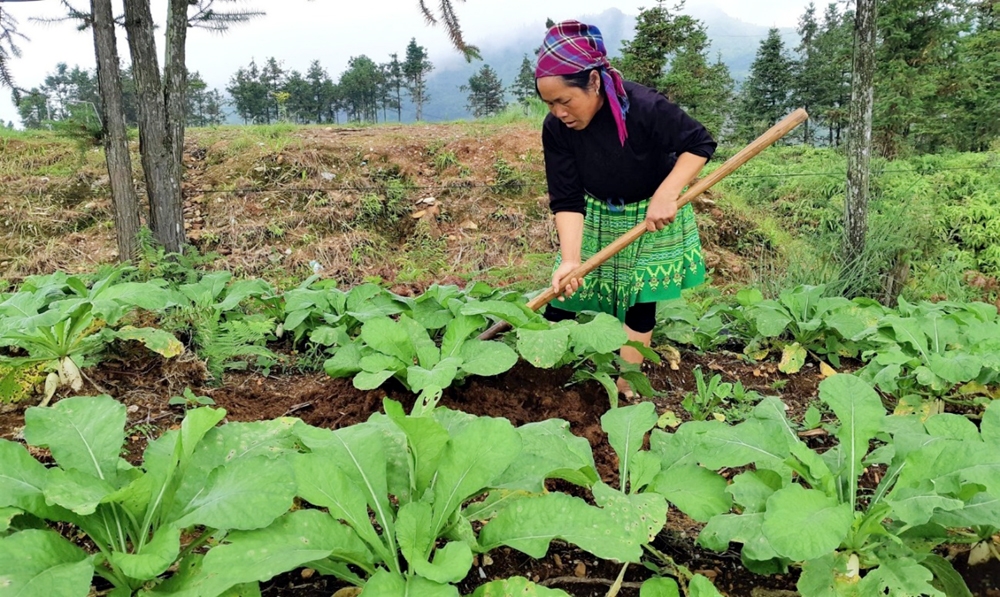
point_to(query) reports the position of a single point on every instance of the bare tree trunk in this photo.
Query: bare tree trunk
(166, 216)
(860, 137)
(123, 195)
(175, 80)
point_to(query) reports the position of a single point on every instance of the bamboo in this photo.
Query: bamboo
(767, 139)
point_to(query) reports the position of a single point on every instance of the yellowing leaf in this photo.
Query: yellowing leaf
(668, 419)
(793, 357)
(826, 370)
(159, 341)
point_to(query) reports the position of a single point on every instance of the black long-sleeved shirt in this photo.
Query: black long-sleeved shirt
(593, 161)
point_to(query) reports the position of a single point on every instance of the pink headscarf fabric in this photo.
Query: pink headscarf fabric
(571, 47)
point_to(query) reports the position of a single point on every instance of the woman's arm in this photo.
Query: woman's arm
(663, 206)
(569, 224)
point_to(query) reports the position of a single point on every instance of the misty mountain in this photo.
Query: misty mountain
(735, 40)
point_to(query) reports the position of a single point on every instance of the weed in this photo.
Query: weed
(189, 400)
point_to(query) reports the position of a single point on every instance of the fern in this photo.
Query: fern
(234, 345)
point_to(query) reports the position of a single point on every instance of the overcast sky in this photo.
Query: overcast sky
(299, 31)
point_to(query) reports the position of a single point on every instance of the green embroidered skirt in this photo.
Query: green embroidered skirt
(654, 268)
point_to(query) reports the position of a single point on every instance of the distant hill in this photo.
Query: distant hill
(735, 40)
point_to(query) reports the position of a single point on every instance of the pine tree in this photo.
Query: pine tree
(301, 104)
(486, 94)
(360, 87)
(415, 70)
(659, 33)
(833, 91)
(523, 87)
(807, 76)
(249, 94)
(705, 91)
(766, 94)
(394, 82)
(8, 49)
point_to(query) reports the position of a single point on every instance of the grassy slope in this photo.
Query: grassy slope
(278, 200)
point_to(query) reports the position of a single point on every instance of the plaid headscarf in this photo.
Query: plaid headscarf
(572, 47)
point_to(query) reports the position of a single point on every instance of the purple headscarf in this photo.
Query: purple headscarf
(572, 47)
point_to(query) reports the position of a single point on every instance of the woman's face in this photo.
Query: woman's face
(575, 107)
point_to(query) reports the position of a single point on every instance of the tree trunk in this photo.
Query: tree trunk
(123, 195)
(175, 81)
(860, 136)
(166, 216)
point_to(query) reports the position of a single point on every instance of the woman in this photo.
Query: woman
(616, 154)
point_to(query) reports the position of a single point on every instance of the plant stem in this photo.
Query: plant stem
(201, 540)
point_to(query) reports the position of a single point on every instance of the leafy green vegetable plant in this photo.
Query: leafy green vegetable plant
(416, 475)
(198, 481)
(942, 476)
(63, 323)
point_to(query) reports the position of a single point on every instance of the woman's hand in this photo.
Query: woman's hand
(661, 211)
(565, 287)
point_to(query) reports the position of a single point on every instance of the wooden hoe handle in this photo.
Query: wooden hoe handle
(767, 139)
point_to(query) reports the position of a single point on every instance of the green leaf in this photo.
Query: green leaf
(908, 332)
(771, 320)
(428, 354)
(990, 425)
(626, 428)
(159, 341)
(903, 576)
(345, 362)
(793, 357)
(916, 505)
(371, 381)
(982, 509)
(644, 513)
(360, 454)
(426, 439)
(946, 576)
(42, 563)
(700, 586)
(416, 538)
(643, 469)
(952, 426)
(754, 441)
(746, 529)
(377, 363)
(860, 412)
(955, 366)
(386, 584)
(549, 451)
(510, 312)
(322, 483)
(246, 494)
(805, 524)
(543, 348)
(7, 515)
(83, 433)
(441, 376)
(388, 337)
(22, 479)
(517, 587)
(153, 559)
(752, 488)
(820, 575)
(530, 524)
(604, 334)
(458, 331)
(76, 491)
(474, 457)
(486, 358)
(659, 587)
(696, 491)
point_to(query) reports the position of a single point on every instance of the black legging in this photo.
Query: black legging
(640, 317)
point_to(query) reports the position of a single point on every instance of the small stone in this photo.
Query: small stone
(557, 560)
(418, 214)
(468, 225)
(487, 560)
(581, 570)
(307, 573)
